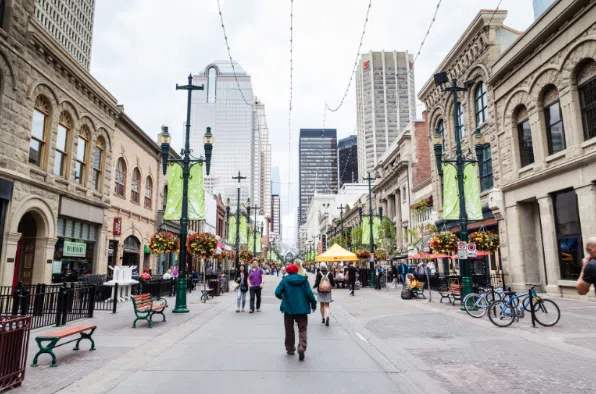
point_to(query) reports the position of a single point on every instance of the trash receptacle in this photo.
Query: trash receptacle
(14, 344)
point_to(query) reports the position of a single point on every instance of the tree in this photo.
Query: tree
(357, 238)
(388, 236)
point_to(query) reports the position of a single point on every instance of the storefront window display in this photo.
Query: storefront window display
(75, 250)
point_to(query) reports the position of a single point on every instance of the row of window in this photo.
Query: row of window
(65, 138)
(120, 178)
(66, 153)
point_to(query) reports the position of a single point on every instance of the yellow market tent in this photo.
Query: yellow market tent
(337, 253)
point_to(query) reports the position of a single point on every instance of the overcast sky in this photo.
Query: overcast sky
(142, 48)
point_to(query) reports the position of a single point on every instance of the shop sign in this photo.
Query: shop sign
(74, 249)
(117, 229)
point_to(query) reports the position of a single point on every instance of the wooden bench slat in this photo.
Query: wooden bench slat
(68, 331)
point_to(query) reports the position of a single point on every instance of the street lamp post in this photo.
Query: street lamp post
(254, 232)
(371, 281)
(341, 221)
(460, 162)
(237, 241)
(186, 163)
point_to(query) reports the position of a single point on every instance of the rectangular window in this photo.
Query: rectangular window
(97, 159)
(81, 160)
(61, 143)
(38, 137)
(569, 235)
(486, 170)
(555, 132)
(587, 94)
(526, 149)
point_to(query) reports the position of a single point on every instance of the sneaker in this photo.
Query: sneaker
(237, 310)
(290, 352)
(301, 356)
(327, 322)
(258, 310)
(323, 321)
(252, 311)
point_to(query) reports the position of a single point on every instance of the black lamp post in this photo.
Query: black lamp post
(371, 282)
(341, 220)
(381, 210)
(459, 162)
(254, 232)
(237, 240)
(187, 163)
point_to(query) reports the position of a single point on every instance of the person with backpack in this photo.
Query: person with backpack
(324, 283)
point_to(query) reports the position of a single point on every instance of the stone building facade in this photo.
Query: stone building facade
(471, 60)
(544, 90)
(131, 218)
(62, 133)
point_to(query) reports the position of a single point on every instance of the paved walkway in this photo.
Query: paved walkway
(376, 343)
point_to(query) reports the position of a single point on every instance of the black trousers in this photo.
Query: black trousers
(352, 286)
(255, 291)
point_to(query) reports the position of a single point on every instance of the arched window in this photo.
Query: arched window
(148, 192)
(460, 120)
(441, 131)
(524, 137)
(480, 104)
(81, 160)
(555, 132)
(120, 178)
(586, 87)
(135, 185)
(211, 84)
(39, 131)
(98, 156)
(62, 138)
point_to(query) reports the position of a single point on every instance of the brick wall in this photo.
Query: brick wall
(421, 170)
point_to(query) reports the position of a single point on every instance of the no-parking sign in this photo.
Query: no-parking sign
(472, 250)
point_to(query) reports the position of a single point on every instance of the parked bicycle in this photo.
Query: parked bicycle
(502, 313)
(476, 304)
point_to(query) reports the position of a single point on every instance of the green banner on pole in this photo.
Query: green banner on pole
(196, 193)
(450, 193)
(232, 230)
(243, 230)
(377, 230)
(251, 241)
(174, 202)
(365, 231)
(259, 244)
(472, 192)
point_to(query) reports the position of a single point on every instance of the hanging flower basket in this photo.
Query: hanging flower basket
(260, 260)
(164, 242)
(363, 255)
(444, 242)
(202, 245)
(485, 241)
(246, 256)
(381, 255)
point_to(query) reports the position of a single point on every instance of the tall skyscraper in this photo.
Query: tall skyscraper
(240, 130)
(317, 165)
(275, 181)
(385, 103)
(275, 218)
(70, 23)
(347, 157)
(540, 6)
(261, 142)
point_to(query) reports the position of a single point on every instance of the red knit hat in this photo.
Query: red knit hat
(292, 269)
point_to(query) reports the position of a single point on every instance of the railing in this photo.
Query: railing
(14, 342)
(158, 287)
(442, 282)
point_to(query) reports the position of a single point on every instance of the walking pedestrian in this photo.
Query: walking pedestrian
(587, 277)
(394, 274)
(403, 270)
(297, 303)
(352, 278)
(300, 264)
(380, 273)
(242, 280)
(255, 281)
(277, 270)
(324, 283)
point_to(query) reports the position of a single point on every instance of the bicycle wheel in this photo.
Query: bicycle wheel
(475, 305)
(492, 297)
(501, 314)
(547, 313)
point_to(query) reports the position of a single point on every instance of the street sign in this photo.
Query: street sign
(462, 250)
(472, 250)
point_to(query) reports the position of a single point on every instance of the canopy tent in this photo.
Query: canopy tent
(336, 253)
(428, 256)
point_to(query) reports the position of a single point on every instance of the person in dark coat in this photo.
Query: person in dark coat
(352, 278)
(242, 280)
(297, 301)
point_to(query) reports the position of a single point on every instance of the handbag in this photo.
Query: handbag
(235, 286)
(325, 285)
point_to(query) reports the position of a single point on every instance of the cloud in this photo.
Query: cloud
(142, 48)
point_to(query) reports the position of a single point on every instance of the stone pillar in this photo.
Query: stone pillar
(549, 243)
(538, 139)
(586, 202)
(398, 226)
(574, 134)
(12, 240)
(44, 252)
(514, 264)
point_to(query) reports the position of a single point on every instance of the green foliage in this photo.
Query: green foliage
(387, 230)
(357, 237)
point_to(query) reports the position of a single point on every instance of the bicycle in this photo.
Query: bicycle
(476, 304)
(502, 313)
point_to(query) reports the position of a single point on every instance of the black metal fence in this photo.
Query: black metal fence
(442, 282)
(14, 342)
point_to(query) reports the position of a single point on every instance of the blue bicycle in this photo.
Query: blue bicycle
(476, 304)
(502, 313)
